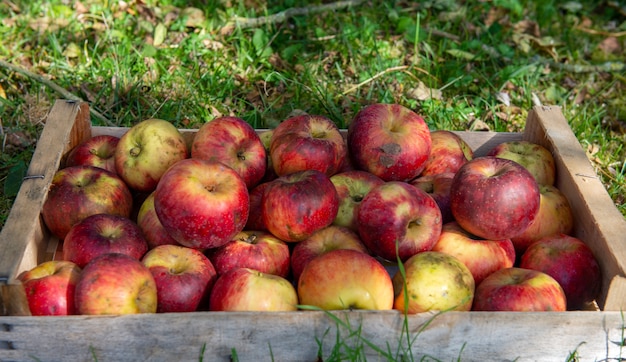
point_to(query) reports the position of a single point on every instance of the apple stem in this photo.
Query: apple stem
(135, 151)
(251, 239)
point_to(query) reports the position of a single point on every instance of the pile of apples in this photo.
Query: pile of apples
(234, 219)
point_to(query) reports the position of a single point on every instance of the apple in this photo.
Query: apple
(494, 198)
(50, 287)
(266, 139)
(307, 142)
(245, 289)
(433, 281)
(255, 218)
(482, 257)
(447, 154)
(79, 191)
(234, 142)
(390, 141)
(329, 238)
(438, 187)
(554, 217)
(519, 290)
(352, 186)
(146, 150)
(115, 284)
(535, 158)
(345, 279)
(570, 262)
(398, 220)
(101, 234)
(202, 204)
(183, 276)
(258, 250)
(97, 151)
(296, 205)
(151, 226)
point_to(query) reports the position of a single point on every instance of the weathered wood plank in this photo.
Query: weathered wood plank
(292, 336)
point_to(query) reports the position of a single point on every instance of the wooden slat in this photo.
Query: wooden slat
(597, 220)
(292, 336)
(23, 238)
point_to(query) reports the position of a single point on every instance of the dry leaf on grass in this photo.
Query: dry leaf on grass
(423, 92)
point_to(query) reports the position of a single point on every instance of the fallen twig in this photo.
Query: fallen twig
(377, 75)
(280, 17)
(63, 92)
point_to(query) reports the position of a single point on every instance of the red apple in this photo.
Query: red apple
(519, 290)
(571, 263)
(266, 139)
(482, 257)
(535, 158)
(202, 204)
(448, 153)
(329, 238)
(554, 217)
(494, 198)
(244, 289)
(234, 142)
(97, 151)
(307, 142)
(296, 205)
(101, 234)
(146, 151)
(390, 141)
(255, 217)
(398, 220)
(115, 284)
(438, 187)
(80, 191)
(352, 186)
(183, 276)
(258, 250)
(345, 279)
(433, 281)
(151, 226)
(50, 287)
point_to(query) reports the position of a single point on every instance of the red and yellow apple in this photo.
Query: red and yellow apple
(50, 287)
(97, 151)
(437, 186)
(151, 226)
(537, 159)
(352, 186)
(447, 154)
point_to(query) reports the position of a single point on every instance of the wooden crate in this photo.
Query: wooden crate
(297, 336)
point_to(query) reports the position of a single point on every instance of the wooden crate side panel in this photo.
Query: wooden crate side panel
(23, 240)
(597, 221)
(294, 336)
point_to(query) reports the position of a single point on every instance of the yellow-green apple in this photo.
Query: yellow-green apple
(390, 141)
(537, 159)
(398, 220)
(307, 142)
(245, 289)
(447, 154)
(352, 186)
(151, 226)
(329, 238)
(296, 205)
(101, 234)
(266, 139)
(50, 287)
(570, 262)
(345, 279)
(519, 290)
(115, 284)
(234, 142)
(258, 250)
(482, 257)
(255, 217)
(202, 204)
(554, 217)
(97, 151)
(433, 281)
(80, 191)
(146, 150)
(183, 276)
(494, 198)
(437, 186)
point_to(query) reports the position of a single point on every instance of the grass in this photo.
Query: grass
(465, 65)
